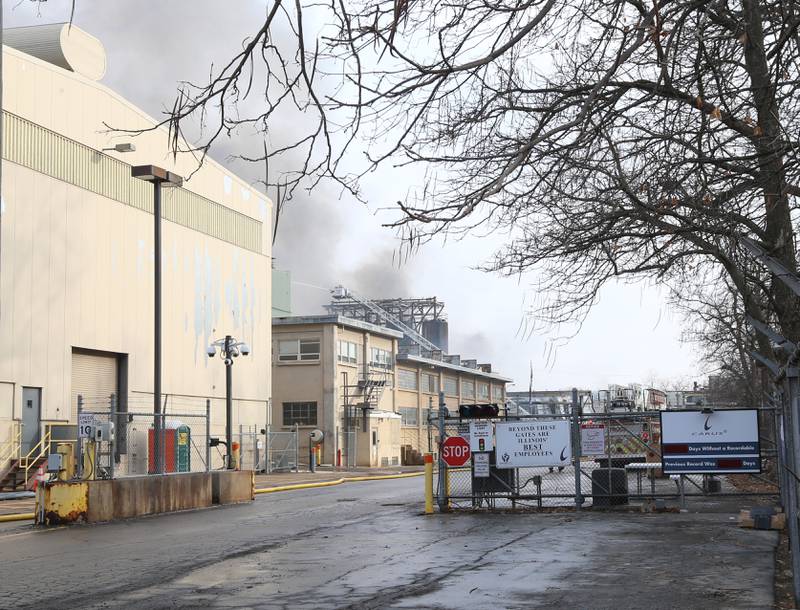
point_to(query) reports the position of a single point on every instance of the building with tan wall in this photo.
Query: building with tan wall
(347, 378)
(419, 381)
(337, 375)
(76, 253)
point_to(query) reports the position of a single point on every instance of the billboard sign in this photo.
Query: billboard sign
(533, 443)
(710, 442)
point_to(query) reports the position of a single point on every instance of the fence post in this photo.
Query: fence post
(296, 448)
(790, 419)
(267, 457)
(441, 497)
(79, 443)
(162, 465)
(576, 447)
(208, 434)
(113, 437)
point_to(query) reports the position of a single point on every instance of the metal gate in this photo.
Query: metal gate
(281, 451)
(622, 463)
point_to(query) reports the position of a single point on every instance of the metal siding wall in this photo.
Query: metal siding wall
(50, 153)
(94, 376)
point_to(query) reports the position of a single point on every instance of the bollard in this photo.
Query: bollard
(428, 483)
(312, 459)
(235, 453)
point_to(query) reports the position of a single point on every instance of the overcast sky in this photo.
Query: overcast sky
(630, 336)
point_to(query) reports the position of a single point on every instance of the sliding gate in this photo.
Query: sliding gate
(584, 460)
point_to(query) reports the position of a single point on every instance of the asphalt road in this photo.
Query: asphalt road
(365, 545)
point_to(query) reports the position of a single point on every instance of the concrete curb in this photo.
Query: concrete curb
(17, 517)
(269, 490)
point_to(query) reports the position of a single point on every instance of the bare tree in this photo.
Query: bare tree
(717, 327)
(610, 138)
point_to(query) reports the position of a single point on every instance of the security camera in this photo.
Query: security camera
(245, 349)
(228, 362)
(211, 350)
(234, 352)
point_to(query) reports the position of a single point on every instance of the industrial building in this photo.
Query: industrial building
(77, 254)
(367, 378)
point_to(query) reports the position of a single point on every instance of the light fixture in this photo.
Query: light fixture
(123, 147)
(155, 174)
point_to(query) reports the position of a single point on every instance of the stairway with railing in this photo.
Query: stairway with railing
(17, 470)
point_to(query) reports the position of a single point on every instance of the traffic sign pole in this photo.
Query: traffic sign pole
(441, 496)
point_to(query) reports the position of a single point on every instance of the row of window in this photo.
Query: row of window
(347, 352)
(380, 358)
(408, 380)
(292, 350)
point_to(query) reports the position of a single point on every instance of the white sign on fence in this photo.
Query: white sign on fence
(533, 443)
(480, 463)
(593, 439)
(481, 436)
(708, 442)
(86, 425)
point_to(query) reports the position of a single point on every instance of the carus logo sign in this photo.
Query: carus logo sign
(707, 430)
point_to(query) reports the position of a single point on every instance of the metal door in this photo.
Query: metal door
(31, 417)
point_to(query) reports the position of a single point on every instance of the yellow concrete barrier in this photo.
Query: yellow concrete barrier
(269, 490)
(17, 517)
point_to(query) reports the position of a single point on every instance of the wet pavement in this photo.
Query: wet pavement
(365, 545)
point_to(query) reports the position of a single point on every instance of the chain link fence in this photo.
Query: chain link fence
(606, 460)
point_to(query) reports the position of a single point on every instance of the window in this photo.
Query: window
(409, 416)
(347, 352)
(406, 380)
(467, 389)
(497, 392)
(483, 391)
(451, 386)
(300, 413)
(380, 358)
(430, 383)
(298, 349)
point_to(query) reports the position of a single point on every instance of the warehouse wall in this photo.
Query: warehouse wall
(76, 257)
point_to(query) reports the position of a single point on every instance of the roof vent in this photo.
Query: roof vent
(62, 45)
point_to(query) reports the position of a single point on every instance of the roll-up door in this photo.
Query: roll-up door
(94, 376)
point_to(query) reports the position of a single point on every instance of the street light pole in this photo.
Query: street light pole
(229, 348)
(157, 177)
(229, 398)
(158, 421)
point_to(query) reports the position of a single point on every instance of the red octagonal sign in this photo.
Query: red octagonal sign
(455, 451)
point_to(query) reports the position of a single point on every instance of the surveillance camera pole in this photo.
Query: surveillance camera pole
(228, 400)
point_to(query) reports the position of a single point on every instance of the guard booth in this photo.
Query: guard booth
(176, 441)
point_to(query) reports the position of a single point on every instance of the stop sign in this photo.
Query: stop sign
(455, 451)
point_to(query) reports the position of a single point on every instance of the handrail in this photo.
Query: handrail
(14, 444)
(41, 447)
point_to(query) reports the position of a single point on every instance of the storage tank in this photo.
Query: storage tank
(436, 332)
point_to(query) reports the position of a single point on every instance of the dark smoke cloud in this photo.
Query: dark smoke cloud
(148, 58)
